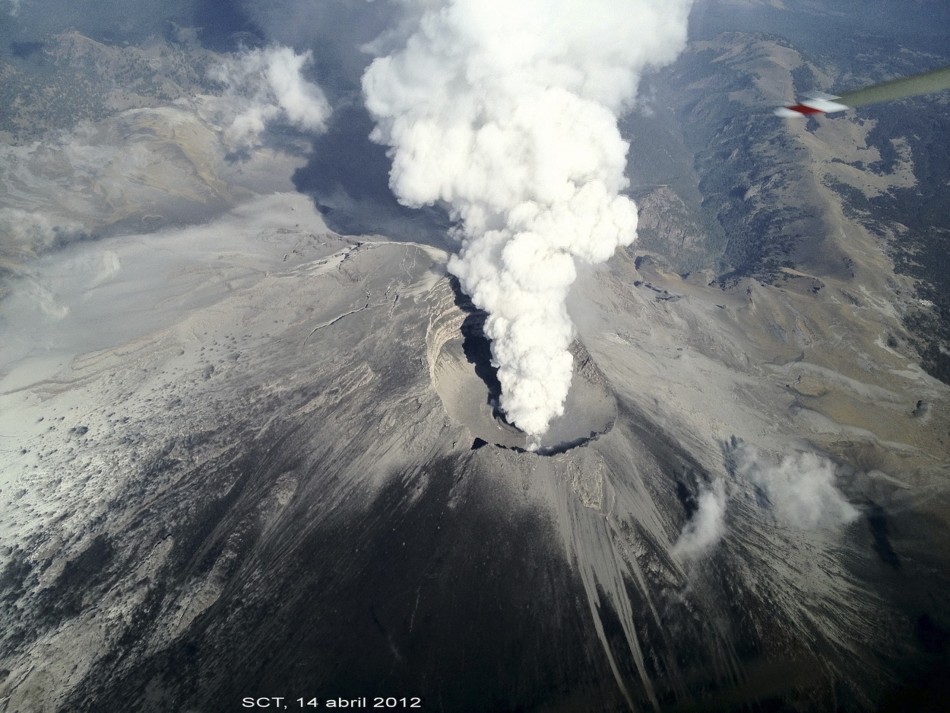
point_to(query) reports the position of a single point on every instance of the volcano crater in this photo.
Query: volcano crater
(460, 366)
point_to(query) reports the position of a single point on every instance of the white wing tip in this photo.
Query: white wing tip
(825, 103)
(816, 104)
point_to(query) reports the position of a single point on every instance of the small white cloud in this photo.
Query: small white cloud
(27, 233)
(264, 85)
(646, 100)
(707, 526)
(800, 487)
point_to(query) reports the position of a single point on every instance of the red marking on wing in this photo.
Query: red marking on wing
(804, 109)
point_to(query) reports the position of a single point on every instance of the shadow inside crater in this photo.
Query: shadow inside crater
(477, 348)
(589, 411)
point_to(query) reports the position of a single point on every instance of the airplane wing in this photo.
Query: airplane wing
(934, 81)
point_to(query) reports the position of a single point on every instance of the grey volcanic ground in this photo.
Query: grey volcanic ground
(258, 456)
(286, 479)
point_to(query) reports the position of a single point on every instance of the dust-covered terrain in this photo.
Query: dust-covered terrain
(247, 453)
(289, 464)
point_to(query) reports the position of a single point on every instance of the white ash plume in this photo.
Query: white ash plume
(506, 112)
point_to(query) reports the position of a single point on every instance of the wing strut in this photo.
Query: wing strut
(926, 83)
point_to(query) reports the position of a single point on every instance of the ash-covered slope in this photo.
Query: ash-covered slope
(722, 184)
(277, 487)
(254, 458)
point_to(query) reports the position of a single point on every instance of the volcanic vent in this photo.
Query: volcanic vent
(460, 368)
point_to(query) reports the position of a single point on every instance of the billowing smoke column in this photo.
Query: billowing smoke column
(506, 112)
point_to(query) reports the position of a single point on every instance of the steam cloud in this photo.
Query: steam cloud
(264, 85)
(707, 525)
(800, 487)
(506, 113)
(28, 233)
